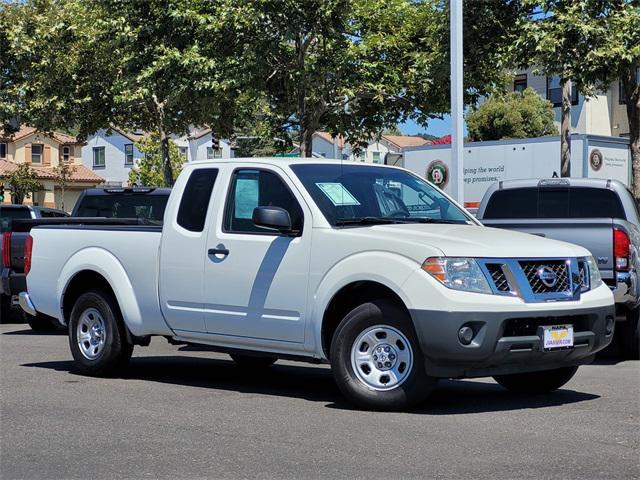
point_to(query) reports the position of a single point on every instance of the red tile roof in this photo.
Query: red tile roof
(25, 131)
(80, 173)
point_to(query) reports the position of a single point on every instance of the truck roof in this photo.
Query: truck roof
(286, 161)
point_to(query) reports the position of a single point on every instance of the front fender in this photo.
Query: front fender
(388, 269)
(108, 266)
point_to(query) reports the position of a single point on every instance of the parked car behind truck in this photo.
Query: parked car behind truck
(598, 214)
(117, 205)
(9, 213)
(367, 267)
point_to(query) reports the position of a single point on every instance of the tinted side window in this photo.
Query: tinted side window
(595, 203)
(192, 213)
(258, 188)
(514, 203)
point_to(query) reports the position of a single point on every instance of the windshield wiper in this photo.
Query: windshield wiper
(368, 221)
(433, 220)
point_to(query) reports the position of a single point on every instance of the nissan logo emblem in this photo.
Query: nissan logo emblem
(547, 276)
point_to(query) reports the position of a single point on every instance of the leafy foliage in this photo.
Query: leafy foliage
(63, 173)
(591, 42)
(514, 115)
(149, 171)
(23, 182)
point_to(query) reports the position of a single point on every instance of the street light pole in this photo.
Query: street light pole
(457, 101)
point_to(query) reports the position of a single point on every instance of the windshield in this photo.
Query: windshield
(149, 207)
(351, 194)
(7, 215)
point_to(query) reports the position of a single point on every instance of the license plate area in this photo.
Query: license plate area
(556, 337)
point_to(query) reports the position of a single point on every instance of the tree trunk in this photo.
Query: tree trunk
(565, 131)
(631, 89)
(306, 142)
(166, 159)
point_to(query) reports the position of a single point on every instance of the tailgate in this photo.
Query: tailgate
(594, 234)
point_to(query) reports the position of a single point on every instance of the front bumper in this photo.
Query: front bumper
(506, 342)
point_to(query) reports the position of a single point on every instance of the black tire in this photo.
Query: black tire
(629, 336)
(415, 387)
(115, 350)
(42, 323)
(537, 382)
(250, 362)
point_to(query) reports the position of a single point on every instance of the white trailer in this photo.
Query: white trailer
(592, 156)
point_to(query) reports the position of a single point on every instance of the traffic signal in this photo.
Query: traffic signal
(2, 193)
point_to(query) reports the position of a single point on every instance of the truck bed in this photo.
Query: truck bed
(133, 248)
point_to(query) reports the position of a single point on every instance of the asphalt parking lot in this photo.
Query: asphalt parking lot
(186, 413)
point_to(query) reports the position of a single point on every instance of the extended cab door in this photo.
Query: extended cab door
(256, 279)
(183, 251)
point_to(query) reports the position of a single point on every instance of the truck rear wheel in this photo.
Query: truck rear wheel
(252, 362)
(376, 358)
(537, 382)
(97, 334)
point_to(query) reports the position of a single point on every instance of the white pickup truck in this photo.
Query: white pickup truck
(367, 267)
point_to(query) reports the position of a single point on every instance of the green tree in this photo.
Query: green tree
(150, 170)
(155, 65)
(356, 67)
(62, 175)
(513, 115)
(23, 182)
(588, 44)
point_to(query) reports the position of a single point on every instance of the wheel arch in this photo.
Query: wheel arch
(95, 267)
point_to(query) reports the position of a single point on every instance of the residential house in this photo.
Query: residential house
(378, 148)
(326, 146)
(43, 152)
(112, 154)
(199, 144)
(603, 114)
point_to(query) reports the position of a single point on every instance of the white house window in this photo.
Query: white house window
(36, 153)
(98, 157)
(128, 154)
(520, 83)
(554, 92)
(66, 154)
(3, 150)
(376, 157)
(183, 151)
(213, 153)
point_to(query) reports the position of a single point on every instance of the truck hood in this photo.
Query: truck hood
(475, 241)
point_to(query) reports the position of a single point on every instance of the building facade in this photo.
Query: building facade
(43, 152)
(112, 154)
(603, 114)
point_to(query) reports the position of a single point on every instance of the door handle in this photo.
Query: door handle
(219, 251)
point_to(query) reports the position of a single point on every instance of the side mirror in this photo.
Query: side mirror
(273, 218)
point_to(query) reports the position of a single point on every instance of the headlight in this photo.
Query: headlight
(594, 273)
(457, 273)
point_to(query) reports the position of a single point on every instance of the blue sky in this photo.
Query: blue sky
(439, 128)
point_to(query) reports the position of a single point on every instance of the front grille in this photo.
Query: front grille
(584, 276)
(533, 269)
(498, 277)
(521, 327)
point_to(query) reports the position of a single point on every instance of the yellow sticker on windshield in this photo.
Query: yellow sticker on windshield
(337, 193)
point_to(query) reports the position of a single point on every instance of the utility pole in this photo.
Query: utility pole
(457, 101)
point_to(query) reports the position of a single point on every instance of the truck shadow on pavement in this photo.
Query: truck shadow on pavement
(315, 384)
(28, 331)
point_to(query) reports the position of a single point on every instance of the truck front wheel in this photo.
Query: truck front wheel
(376, 358)
(97, 334)
(536, 382)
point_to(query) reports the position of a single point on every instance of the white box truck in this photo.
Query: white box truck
(484, 163)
